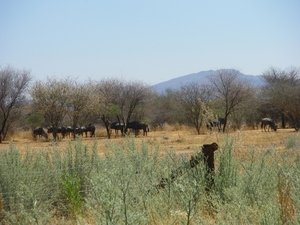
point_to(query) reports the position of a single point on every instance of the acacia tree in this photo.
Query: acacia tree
(163, 110)
(125, 100)
(282, 94)
(193, 99)
(51, 99)
(13, 86)
(121, 99)
(81, 102)
(107, 94)
(229, 90)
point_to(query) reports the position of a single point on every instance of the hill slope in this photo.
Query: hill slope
(201, 78)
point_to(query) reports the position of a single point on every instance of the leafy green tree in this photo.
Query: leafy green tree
(34, 120)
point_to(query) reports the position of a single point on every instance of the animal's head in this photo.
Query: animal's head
(214, 146)
(275, 127)
(210, 148)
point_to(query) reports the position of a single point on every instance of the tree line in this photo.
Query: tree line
(26, 104)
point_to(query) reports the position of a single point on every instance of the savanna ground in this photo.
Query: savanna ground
(260, 187)
(179, 139)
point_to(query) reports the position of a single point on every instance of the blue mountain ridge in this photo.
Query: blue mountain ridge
(201, 78)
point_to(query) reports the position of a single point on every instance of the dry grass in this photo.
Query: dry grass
(287, 208)
(178, 139)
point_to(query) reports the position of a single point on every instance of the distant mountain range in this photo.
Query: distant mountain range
(201, 78)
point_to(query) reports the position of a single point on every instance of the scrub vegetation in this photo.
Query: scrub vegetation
(112, 181)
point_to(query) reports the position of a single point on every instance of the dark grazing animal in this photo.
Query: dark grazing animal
(39, 132)
(268, 122)
(117, 126)
(137, 126)
(210, 124)
(78, 131)
(222, 123)
(89, 128)
(69, 131)
(57, 130)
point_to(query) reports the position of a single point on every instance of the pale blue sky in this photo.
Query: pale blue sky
(149, 41)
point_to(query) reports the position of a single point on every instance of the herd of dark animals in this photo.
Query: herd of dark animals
(65, 131)
(136, 126)
(116, 126)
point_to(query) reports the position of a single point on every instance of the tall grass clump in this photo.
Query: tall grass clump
(121, 185)
(291, 141)
(24, 187)
(76, 164)
(226, 173)
(40, 184)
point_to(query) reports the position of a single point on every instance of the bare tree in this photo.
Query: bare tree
(13, 86)
(162, 112)
(282, 94)
(193, 99)
(51, 99)
(82, 102)
(229, 90)
(123, 99)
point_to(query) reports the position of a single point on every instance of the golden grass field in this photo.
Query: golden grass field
(178, 139)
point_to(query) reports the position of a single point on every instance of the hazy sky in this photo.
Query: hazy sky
(149, 41)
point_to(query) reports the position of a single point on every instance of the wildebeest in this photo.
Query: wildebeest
(89, 128)
(58, 130)
(222, 122)
(69, 131)
(136, 126)
(268, 122)
(117, 126)
(210, 124)
(78, 131)
(39, 132)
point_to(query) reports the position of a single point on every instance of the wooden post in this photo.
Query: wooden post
(208, 156)
(209, 160)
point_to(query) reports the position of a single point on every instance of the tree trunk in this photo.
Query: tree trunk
(282, 120)
(107, 123)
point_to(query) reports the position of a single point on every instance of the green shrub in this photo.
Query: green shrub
(291, 141)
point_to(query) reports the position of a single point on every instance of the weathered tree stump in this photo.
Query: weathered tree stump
(207, 154)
